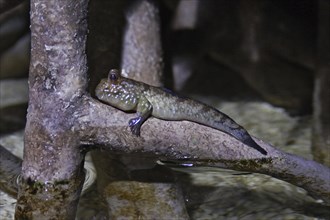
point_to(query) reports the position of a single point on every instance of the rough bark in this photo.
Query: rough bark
(52, 170)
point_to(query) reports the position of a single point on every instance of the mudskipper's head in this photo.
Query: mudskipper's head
(114, 76)
(109, 89)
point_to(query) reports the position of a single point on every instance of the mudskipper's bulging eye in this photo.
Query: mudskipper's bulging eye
(113, 75)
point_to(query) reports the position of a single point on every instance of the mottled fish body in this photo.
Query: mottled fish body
(130, 95)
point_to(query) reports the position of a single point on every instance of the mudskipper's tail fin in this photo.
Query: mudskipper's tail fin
(250, 142)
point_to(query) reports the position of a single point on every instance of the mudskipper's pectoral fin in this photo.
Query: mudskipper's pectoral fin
(135, 125)
(143, 109)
